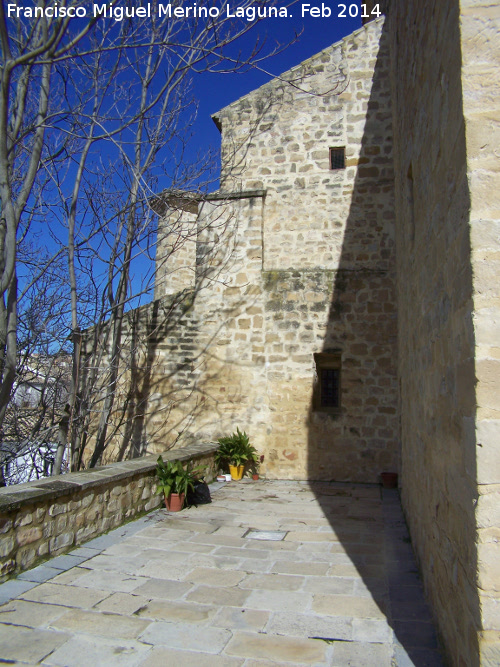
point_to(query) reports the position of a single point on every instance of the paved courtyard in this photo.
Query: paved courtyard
(202, 588)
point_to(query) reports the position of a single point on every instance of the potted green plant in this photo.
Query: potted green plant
(174, 481)
(235, 451)
(254, 467)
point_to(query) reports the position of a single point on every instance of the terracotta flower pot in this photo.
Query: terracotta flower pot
(236, 472)
(255, 476)
(389, 480)
(174, 502)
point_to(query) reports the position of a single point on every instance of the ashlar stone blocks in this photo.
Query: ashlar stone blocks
(293, 258)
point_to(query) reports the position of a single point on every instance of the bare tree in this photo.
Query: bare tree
(43, 369)
(94, 118)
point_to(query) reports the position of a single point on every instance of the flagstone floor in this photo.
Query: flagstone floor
(338, 587)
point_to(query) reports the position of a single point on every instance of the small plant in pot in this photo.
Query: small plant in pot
(235, 451)
(254, 467)
(174, 481)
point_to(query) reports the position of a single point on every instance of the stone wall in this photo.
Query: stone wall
(445, 240)
(42, 519)
(304, 264)
(176, 250)
(480, 33)
(208, 371)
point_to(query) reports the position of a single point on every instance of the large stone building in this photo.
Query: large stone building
(338, 297)
(292, 267)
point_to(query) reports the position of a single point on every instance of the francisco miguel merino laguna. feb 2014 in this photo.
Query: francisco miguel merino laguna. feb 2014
(250, 12)
(118, 13)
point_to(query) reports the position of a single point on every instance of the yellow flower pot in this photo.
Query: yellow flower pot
(236, 472)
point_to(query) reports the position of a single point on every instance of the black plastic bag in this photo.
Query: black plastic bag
(199, 495)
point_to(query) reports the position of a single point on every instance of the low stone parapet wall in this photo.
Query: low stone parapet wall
(45, 518)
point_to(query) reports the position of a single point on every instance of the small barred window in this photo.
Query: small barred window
(337, 158)
(327, 385)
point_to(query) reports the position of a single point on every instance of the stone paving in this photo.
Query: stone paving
(197, 588)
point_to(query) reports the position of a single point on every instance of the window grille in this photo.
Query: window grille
(337, 158)
(327, 387)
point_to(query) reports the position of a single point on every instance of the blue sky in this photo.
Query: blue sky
(215, 91)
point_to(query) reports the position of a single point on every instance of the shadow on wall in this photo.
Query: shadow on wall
(171, 374)
(361, 323)
(141, 375)
(165, 393)
(362, 326)
(162, 389)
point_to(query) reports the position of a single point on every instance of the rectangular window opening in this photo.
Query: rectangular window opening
(327, 387)
(330, 387)
(337, 158)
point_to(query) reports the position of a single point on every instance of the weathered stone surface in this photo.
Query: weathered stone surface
(39, 574)
(487, 451)
(105, 625)
(183, 636)
(352, 653)
(309, 625)
(7, 547)
(277, 600)
(163, 589)
(347, 606)
(318, 569)
(211, 577)
(69, 596)
(201, 621)
(28, 535)
(122, 603)
(275, 582)
(14, 588)
(28, 645)
(282, 649)
(160, 657)
(114, 581)
(218, 596)
(31, 614)
(241, 619)
(371, 630)
(445, 122)
(82, 651)
(178, 612)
